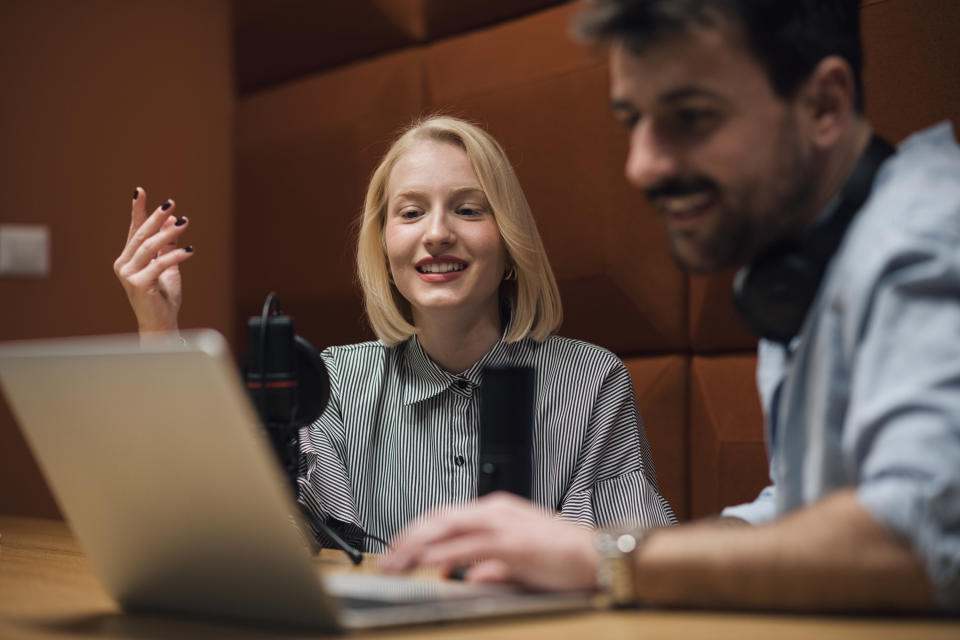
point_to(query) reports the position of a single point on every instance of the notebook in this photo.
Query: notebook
(158, 462)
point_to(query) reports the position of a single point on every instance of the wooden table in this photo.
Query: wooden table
(47, 590)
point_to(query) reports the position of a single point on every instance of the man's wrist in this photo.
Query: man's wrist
(617, 549)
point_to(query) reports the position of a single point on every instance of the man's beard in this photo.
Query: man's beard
(754, 222)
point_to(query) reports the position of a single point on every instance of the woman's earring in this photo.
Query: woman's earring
(511, 274)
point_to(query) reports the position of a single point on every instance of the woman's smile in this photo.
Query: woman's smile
(440, 269)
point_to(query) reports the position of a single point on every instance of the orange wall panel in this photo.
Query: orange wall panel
(714, 323)
(304, 154)
(661, 387)
(728, 462)
(280, 40)
(99, 97)
(911, 64)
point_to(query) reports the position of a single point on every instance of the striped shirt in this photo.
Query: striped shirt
(400, 437)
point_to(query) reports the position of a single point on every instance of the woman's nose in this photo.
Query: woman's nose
(439, 232)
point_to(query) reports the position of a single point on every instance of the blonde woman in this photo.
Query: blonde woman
(455, 279)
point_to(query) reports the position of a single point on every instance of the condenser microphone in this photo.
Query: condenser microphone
(286, 379)
(506, 430)
(289, 386)
(271, 368)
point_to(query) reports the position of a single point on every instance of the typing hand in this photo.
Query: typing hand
(517, 541)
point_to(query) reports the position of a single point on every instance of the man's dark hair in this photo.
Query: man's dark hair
(788, 37)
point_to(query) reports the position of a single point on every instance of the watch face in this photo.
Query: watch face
(626, 543)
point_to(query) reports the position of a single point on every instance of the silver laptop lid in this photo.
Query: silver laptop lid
(158, 462)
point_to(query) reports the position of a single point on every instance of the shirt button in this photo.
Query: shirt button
(459, 461)
(463, 384)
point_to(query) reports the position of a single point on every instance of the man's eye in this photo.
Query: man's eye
(694, 120)
(628, 120)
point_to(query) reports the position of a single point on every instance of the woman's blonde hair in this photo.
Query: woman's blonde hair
(533, 297)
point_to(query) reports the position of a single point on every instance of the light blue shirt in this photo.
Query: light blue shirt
(868, 394)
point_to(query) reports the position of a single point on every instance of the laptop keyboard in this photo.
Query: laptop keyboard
(363, 590)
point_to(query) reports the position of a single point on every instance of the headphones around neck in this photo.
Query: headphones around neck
(773, 294)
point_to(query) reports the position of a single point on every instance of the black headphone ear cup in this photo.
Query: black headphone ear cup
(773, 295)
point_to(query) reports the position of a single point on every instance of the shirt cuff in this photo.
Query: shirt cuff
(763, 509)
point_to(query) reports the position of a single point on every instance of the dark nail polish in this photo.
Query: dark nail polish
(180, 222)
(188, 249)
(136, 194)
(166, 205)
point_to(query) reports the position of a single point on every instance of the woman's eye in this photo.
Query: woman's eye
(410, 214)
(469, 211)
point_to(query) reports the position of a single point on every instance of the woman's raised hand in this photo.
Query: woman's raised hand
(148, 266)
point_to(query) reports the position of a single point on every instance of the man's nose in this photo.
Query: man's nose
(649, 160)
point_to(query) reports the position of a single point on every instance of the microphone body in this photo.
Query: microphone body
(506, 430)
(271, 371)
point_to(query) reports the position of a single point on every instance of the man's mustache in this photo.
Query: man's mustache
(676, 187)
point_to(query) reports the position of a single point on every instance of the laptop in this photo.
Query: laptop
(158, 462)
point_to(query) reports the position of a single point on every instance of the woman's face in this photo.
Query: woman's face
(443, 245)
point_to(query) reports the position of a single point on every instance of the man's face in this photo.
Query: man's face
(717, 153)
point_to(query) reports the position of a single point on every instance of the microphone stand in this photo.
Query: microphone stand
(352, 552)
(285, 439)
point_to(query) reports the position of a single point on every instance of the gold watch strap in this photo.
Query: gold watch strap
(616, 549)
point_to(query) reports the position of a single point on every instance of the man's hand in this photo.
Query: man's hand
(507, 538)
(829, 556)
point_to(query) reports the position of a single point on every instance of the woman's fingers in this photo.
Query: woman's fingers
(171, 244)
(148, 267)
(154, 246)
(150, 238)
(152, 272)
(138, 211)
(140, 233)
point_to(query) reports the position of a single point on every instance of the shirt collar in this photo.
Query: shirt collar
(425, 379)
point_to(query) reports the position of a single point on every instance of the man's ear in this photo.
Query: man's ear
(828, 98)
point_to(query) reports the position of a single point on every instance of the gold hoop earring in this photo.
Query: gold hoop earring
(511, 274)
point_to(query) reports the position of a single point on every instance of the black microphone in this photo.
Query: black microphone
(289, 385)
(286, 379)
(506, 430)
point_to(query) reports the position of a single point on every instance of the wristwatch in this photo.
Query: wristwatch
(616, 550)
